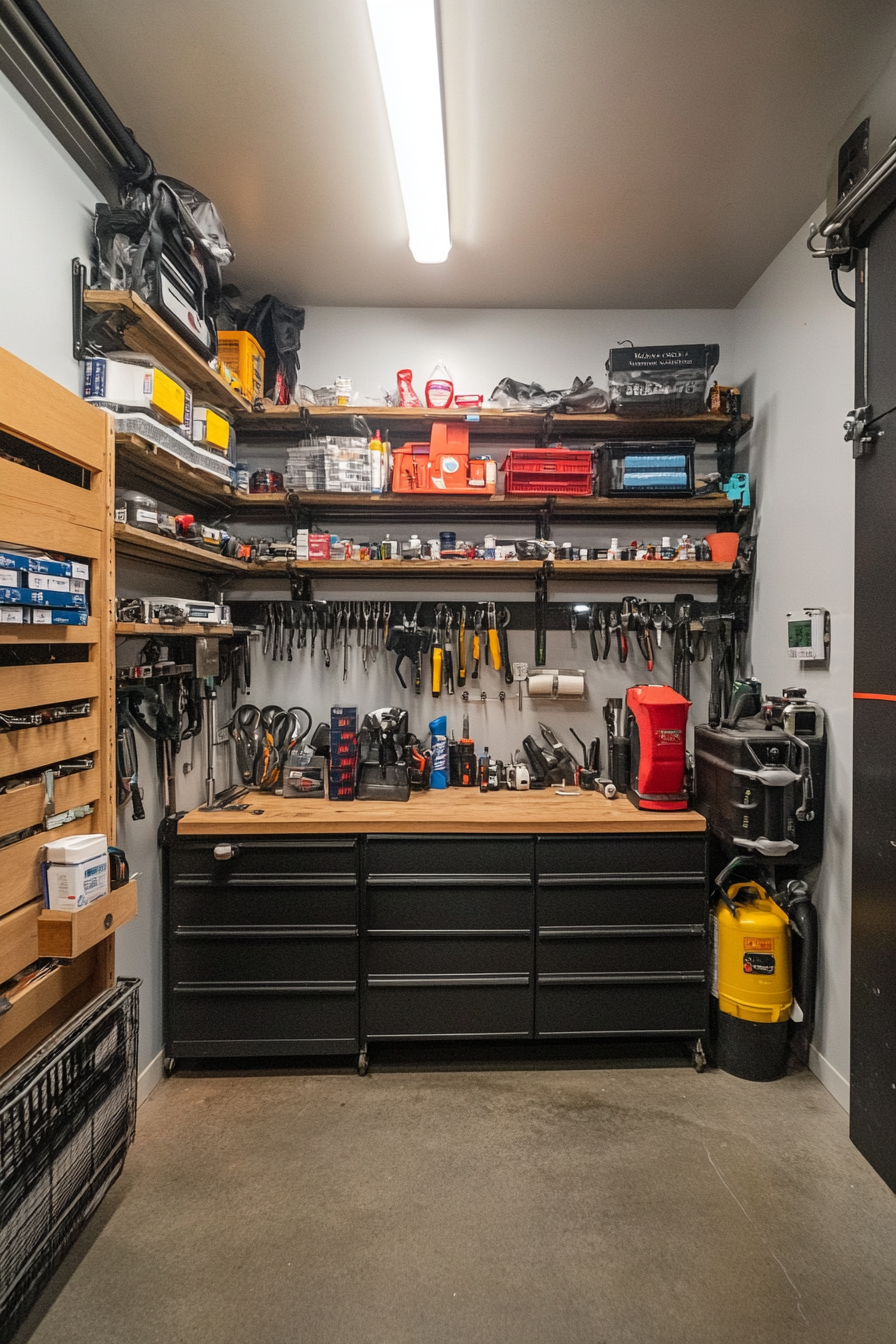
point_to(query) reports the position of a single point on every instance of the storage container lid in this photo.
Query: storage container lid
(76, 848)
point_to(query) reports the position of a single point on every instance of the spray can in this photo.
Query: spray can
(438, 730)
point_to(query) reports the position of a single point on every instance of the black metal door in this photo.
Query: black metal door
(873, 1022)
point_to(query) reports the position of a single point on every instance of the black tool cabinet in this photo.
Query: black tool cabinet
(321, 944)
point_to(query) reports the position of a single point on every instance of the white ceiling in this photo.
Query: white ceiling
(602, 154)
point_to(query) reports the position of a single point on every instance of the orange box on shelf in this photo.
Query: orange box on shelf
(443, 466)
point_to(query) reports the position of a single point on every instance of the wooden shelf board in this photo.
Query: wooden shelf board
(495, 423)
(141, 628)
(147, 334)
(439, 505)
(141, 463)
(51, 634)
(381, 570)
(131, 541)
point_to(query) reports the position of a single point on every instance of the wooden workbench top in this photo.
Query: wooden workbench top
(466, 811)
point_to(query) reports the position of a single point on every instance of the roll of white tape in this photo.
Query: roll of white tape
(556, 685)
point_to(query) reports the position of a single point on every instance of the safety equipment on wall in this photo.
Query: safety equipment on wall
(755, 967)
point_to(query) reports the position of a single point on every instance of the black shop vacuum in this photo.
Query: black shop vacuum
(759, 781)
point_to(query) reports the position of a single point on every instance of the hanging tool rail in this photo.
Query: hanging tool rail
(57, 728)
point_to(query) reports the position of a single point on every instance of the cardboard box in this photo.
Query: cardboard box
(42, 564)
(53, 583)
(126, 382)
(54, 616)
(31, 597)
(344, 717)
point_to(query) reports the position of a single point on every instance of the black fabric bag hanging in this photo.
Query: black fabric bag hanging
(277, 326)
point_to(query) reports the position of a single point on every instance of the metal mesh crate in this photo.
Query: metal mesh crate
(67, 1116)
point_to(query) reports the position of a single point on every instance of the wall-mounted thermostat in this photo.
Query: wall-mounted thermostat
(809, 634)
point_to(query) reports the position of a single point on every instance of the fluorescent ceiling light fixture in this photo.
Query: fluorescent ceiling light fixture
(407, 50)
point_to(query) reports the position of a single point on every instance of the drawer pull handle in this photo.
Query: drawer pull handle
(225, 852)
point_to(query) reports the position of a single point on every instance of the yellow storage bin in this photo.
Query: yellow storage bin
(244, 356)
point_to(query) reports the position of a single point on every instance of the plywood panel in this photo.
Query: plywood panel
(18, 939)
(21, 862)
(33, 748)
(25, 807)
(67, 503)
(38, 409)
(42, 685)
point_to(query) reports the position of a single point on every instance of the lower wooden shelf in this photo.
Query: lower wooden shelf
(156, 628)
(68, 933)
(39, 1006)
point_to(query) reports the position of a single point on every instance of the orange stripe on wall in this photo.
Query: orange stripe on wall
(869, 695)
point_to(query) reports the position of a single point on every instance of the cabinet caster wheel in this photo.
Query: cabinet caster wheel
(362, 1064)
(699, 1057)
(169, 1065)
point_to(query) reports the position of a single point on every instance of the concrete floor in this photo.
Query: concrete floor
(599, 1205)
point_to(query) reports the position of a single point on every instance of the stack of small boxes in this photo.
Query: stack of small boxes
(35, 590)
(343, 752)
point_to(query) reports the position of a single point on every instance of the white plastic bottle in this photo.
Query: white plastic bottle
(377, 464)
(613, 551)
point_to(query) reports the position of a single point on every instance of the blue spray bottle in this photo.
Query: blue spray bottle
(438, 730)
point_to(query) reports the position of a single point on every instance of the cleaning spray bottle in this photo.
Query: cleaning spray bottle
(438, 730)
(439, 389)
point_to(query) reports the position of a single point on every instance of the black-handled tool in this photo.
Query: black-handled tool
(595, 654)
(503, 620)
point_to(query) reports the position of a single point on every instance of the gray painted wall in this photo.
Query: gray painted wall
(793, 352)
(789, 344)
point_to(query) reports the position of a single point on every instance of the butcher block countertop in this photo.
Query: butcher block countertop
(464, 811)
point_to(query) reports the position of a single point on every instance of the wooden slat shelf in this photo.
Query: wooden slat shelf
(144, 332)
(25, 806)
(492, 422)
(52, 634)
(139, 545)
(141, 628)
(670, 571)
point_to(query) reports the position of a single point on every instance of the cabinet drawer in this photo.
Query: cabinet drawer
(620, 854)
(258, 1019)
(448, 1006)
(433, 854)
(594, 900)
(436, 903)
(590, 950)
(443, 952)
(295, 856)
(283, 901)
(613, 1006)
(246, 954)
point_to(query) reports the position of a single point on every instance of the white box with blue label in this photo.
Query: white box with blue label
(75, 871)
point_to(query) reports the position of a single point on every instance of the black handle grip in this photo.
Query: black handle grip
(138, 813)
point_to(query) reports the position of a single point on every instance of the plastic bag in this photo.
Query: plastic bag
(580, 399)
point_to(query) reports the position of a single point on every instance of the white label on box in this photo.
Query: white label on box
(121, 515)
(12, 616)
(147, 516)
(49, 583)
(71, 886)
(79, 570)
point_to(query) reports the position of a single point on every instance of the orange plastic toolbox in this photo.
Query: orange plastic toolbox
(548, 471)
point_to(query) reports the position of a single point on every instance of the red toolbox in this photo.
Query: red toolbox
(548, 471)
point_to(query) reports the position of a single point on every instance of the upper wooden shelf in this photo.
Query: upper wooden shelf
(173, 631)
(491, 422)
(143, 464)
(139, 545)
(144, 332)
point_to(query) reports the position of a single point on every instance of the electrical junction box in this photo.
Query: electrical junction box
(808, 634)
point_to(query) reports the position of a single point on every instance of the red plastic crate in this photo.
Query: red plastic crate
(548, 471)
